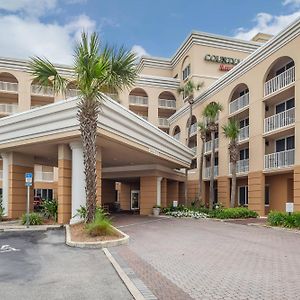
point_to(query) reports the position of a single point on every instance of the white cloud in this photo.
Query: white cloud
(267, 23)
(291, 2)
(139, 51)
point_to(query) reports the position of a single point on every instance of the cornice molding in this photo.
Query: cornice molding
(158, 81)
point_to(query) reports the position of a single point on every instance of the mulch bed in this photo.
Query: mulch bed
(79, 234)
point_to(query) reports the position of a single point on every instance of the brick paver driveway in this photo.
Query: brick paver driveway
(205, 259)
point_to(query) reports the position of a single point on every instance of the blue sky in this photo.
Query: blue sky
(50, 27)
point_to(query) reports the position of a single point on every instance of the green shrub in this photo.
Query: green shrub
(276, 218)
(1, 209)
(233, 213)
(101, 225)
(34, 219)
(49, 209)
(82, 212)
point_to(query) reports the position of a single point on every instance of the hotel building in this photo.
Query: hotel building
(142, 143)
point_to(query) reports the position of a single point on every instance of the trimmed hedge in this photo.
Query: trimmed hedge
(233, 213)
(283, 219)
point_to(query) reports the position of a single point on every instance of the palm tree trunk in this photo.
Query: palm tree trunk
(201, 170)
(233, 184)
(88, 115)
(212, 165)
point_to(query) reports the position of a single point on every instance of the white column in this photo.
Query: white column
(78, 180)
(158, 190)
(5, 163)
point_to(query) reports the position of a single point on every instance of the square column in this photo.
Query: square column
(164, 192)
(148, 194)
(256, 190)
(64, 184)
(5, 182)
(297, 188)
(224, 190)
(172, 192)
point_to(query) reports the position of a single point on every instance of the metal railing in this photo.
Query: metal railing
(208, 145)
(44, 176)
(8, 86)
(239, 103)
(166, 103)
(194, 128)
(206, 172)
(138, 100)
(8, 108)
(280, 120)
(72, 92)
(144, 117)
(279, 159)
(194, 149)
(163, 122)
(242, 166)
(280, 81)
(243, 134)
(177, 136)
(42, 90)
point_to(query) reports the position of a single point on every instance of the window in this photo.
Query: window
(244, 123)
(186, 72)
(242, 93)
(284, 68)
(194, 164)
(267, 195)
(284, 144)
(281, 107)
(244, 154)
(243, 195)
(44, 193)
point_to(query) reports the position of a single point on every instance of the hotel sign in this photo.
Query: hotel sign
(223, 61)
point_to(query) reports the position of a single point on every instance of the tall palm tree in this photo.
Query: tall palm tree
(96, 68)
(211, 113)
(188, 91)
(203, 131)
(231, 131)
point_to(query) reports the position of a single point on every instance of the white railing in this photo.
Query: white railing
(208, 145)
(166, 103)
(279, 82)
(138, 100)
(194, 149)
(177, 136)
(8, 108)
(206, 172)
(243, 134)
(144, 117)
(242, 166)
(239, 103)
(72, 93)
(42, 90)
(279, 159)
(280, 120)
(194, 128)
(44, 176)
(163, 122)
(8, 86)
(1, 175)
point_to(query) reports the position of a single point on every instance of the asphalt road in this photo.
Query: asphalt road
(38, 265)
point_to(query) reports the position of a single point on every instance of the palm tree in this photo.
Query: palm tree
(203, 131)
(188, 91)
(211, 113)
(231, 131)
(96, 68)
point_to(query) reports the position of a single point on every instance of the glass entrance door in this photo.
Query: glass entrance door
(135, 199)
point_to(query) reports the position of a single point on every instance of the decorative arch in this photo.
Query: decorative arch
(8, 77)
(138, 92)
(166, 95)
(239, 90)
(176, 130)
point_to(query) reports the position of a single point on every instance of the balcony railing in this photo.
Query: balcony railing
(166, 103)
(279, 159)
(243, 134)
(163, 122)
(42, 90)
(194, 149)
(1, 175)
(206, 172)
(8, 108)
(279, 82)
(194, 128)
(208, 145)
(8, 86)
(72, 93)
(138, 100)
(239, 103)
(144, 117)
(242, 166)
(44, 176)
(177, 136)
(280, 120)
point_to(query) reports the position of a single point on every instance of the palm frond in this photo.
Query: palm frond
(231, 130)
(212, 110)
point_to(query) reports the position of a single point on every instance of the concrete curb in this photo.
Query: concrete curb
(102, 244)
(137, 295)
(31, 228)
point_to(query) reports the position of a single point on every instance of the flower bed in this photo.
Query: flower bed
(187, 214)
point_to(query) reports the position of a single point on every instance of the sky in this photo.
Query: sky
(50, 28)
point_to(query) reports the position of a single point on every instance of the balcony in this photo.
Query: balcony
(279, 82)
(8, 108)
(138, 100)
(279, 159)
(144, 117)
(280, 120)
(43, 176)
(239, 103)
(242, 166)
(11, 87)
(243, 134)
(163, 122)
(194, 149)
(194, 128)
(72, 93)
(42, 90)
(166, 103)
(206, 172)
(208, 145)
(177, 136)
